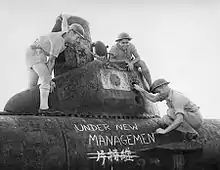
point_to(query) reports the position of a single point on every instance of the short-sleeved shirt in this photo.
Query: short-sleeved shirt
(51, 44)
(53, 41)
(127, 54)
(180, 104)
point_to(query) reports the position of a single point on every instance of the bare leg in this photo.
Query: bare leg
(146, 85)
(184, 127)
(145, 71)
(32, 78)
(45, 78)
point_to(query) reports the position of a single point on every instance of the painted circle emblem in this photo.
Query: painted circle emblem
(115, 80)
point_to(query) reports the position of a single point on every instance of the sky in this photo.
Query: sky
(179, 40)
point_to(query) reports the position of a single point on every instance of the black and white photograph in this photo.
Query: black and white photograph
(110, 85)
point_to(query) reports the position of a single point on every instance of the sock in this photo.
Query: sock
(44, 94)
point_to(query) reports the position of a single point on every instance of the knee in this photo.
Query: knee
(46, 79)
(166, 119)
(45, 86)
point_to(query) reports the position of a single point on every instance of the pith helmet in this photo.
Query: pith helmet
(157, 83)
(78, 29)
(123, 35)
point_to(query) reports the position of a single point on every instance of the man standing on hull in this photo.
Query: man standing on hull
(41, 56)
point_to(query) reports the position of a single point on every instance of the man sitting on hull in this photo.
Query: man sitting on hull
(182, 114)
(125, 51)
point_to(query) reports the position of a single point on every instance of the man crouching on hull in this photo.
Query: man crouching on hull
(182, 114)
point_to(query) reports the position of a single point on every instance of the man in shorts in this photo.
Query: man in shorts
(41, 55)
(125, 51)
(182, 114)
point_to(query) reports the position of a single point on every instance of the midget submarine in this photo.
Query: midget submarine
(101, 124)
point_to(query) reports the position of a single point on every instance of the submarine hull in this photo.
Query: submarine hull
(92, 88)
(40, 142)
(49, 142)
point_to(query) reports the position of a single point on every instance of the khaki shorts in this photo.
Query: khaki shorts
(34, 56)
(191, 123)
(184, 127)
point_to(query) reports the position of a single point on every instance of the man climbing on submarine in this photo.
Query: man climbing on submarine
(125, 51)
(182, 114)
(80, 53)
(41, 55)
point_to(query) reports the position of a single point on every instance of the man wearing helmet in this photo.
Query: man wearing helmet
(182, 114)
(124, 51)
(41, 55)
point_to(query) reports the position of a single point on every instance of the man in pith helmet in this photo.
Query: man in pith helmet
(125, 51)
(182, 114)
(41, 56)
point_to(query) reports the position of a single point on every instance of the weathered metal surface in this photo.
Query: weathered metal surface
(32, 142)
(60, 142)
(209, 134)
(90, 88)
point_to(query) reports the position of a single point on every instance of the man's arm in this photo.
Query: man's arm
(135, 54)
(51, 63)
(64, 26)
(149, 96)
(178, 109)
(55, 47)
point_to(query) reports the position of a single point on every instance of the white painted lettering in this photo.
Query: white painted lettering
(117, 140)
(117, 127)
(100, 127)
(106, 127)
(138, 138)
(109, 140)
(86, 128)
(129, 138)
(126, 127)
(93, 139)
(92, 127)
(151, 138)
(78, 128)
(102, 140)
(146, 142)
(134, 127)
(123, 140)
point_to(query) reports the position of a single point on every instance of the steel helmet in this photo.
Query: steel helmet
(157, 83)
(123, 35)
(78, 29)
